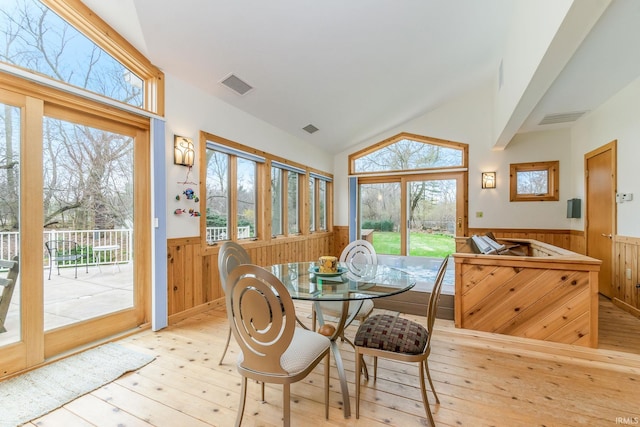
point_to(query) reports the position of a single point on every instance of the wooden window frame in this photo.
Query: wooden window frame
(553, 181)
(83, 19)
(263, 199)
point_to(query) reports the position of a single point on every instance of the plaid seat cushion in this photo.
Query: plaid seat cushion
(392, 333)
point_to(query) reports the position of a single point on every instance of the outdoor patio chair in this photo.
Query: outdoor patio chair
(263, 319)
(64, 252)
(7, 285)
(397, 338)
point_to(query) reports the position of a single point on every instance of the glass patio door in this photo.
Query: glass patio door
(413, 215)
(89, 216)
(69, 175)
(11, 320)
(431, 217)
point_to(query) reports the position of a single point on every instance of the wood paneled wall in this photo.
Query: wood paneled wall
(193, 278)
(550, 295)
(571, 240)
(626, 270)
(193, 270)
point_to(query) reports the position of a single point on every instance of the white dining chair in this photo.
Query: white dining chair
(262, 317)
(230, 256)
(357, 253)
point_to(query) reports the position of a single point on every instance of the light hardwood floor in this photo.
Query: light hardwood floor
(482, 380)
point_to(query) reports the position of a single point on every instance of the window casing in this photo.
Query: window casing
(275, 209)
(285, 197)
(417, 185)
(87, 53)
(534, 181)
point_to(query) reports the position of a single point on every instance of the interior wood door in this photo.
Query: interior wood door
(600, 178)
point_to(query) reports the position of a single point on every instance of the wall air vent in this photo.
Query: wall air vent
(551, 119)
(237, 85)
(310, 128)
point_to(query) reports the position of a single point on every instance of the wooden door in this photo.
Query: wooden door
(600, 178)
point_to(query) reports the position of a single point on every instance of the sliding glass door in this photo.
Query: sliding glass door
(75, 214)
(416, 215)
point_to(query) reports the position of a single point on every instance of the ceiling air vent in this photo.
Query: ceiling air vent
(551, 119)
(310, 128)
(237, 85)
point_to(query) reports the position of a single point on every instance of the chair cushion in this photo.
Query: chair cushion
(392, 333)
(305, 347)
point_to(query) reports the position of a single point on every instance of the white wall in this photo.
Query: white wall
(469, 119)
(617, 119)
(190, 110)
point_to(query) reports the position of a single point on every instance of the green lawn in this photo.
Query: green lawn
(422, 244)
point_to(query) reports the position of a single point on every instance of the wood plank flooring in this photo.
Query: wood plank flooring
(482, 380)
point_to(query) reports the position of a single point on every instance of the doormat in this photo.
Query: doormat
(36, 393)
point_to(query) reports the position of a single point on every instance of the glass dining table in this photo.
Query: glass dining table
(351, 283)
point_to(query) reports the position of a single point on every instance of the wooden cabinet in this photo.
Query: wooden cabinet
(549, 293)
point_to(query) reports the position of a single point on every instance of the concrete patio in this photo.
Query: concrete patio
(104, 289)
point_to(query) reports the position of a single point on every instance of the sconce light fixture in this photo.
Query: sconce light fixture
(183, 151)
(488, 180)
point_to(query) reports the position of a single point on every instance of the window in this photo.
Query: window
(247, 197)
(312, 204)
(407, 152)
(322, 205)
(293, 197)
(237, 206)
(230, 215)
(319, 197)
(538, 181)
(276, 201)
(40, 37)
(285, 213)
(410, 195)
(217, 199)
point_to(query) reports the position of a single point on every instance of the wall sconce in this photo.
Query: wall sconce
(183, 151)
(488, 180)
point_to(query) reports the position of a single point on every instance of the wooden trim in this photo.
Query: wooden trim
(87, 22)
(419, 138)
(553, 181)
(71, 101)
(31, 213)
(626, 307)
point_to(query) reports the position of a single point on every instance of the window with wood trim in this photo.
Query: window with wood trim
(285, 198)
(65, 41)
(408, 152)
(534, 181)
(251, 194)
(410, 193)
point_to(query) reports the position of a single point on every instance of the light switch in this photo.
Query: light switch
(479, 214)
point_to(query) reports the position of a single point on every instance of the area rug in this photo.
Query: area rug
(39, 392)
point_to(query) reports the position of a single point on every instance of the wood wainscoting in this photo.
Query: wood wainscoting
(193, 277)
(548, 294)
(626, 271)
(571, 240)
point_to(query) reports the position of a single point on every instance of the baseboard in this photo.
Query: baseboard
(626, 307)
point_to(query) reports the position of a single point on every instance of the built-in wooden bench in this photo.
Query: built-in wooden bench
(548, 293)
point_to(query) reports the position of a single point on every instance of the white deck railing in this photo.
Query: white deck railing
(121, 240)
(215, 234)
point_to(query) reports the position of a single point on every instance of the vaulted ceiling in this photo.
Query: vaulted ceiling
(356, 68)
